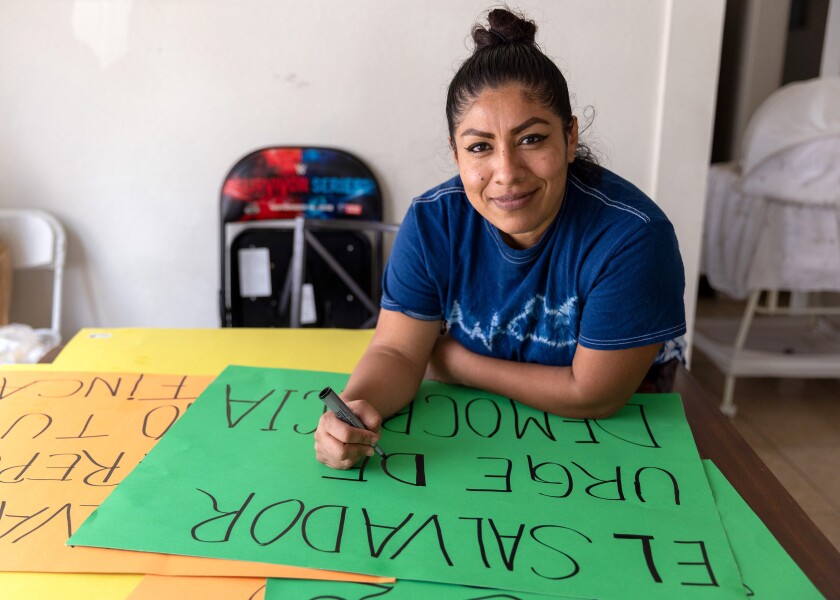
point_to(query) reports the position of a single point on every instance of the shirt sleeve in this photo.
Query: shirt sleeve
(408, 284)
(636, 297)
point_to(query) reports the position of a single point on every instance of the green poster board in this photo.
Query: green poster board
(476, 490)
(770, 572)
(305, 589)
(767, 570)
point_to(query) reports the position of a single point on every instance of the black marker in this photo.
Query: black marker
(336, 404)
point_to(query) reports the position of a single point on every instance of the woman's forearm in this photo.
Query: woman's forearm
(389, 373)
(384, 378)
(596, 385)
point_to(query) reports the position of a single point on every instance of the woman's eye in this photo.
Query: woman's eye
(532, 138)
(478, 147)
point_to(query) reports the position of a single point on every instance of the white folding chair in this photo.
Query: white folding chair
(36, 240)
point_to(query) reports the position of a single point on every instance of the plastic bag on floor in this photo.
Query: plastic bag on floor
(23, 344)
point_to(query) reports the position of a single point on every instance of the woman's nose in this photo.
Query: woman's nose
(509, 167)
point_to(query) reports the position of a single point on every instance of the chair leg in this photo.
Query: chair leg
(727, 406)
(746, 322)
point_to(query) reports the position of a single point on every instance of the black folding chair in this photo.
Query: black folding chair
(301, 240)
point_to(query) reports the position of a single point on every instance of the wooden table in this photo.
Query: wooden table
(718, 440)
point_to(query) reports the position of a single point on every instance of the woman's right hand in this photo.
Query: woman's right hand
(339, 445)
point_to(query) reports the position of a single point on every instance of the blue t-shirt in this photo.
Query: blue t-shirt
(606, 274)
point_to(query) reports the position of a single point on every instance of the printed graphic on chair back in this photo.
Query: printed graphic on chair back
(286, 182)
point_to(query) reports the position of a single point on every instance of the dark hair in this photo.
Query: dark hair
(506, 53)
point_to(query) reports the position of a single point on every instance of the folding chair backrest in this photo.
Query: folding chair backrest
(300, 227)
(36, 240)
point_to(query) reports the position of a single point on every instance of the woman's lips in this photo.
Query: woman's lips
(510, 202)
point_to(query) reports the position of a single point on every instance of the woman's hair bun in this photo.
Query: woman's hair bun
(505, 27)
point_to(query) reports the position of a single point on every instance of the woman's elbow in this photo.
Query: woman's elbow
(599, 408)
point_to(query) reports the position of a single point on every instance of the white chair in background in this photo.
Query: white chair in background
(36, 240)
(773, 225)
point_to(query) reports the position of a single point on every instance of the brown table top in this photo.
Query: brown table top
(718, 440)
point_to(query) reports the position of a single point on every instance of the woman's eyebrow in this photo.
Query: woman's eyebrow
(477, 133)
(525, 125)
(519, 128)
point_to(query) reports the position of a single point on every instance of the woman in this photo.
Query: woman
(533, 274)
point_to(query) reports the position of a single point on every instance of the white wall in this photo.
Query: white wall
(688, 80)
(122, 117)
(830, 64)
(762, 60)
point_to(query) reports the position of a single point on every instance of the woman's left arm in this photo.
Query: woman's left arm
(596, 385)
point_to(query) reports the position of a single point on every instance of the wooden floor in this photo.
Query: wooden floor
(792, 424)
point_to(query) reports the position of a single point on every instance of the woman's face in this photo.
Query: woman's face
(513, 155)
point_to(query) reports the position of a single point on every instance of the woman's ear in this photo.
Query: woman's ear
(454, 150)
(572, 142)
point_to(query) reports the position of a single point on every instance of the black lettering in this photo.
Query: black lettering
(360, 468)
(63, 509)
(4, 514)
(469, 413)
(375, 552)
(109, 468)
(252, 405)
(4, 393)
(288, 527)
(646, 549)
(297, 429)
(567, 480)
(575, 569)
(73, 382)
(454, 416)
(619, 490)
(378, 590)
(441, 545)
(649, 443)
(178, 388)
(587, 423)
(277, 412)
(82, 432)
(419, 468)
(390, 424)
(134, 389)
(67, 469)
(23, 469)
(258, 593)
(545, 428)
(637, 483)
(508, 560)
(506, 476)
(113, 389)
(174, 414)
(479, 534)
(26, 518)
(221, 515)
(22, 417)
(339, 532)
(382, 590)
(166, 396)
(12, 391)
(705, 562)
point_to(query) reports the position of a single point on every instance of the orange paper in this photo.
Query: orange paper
(66, 440)
(156, 587)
